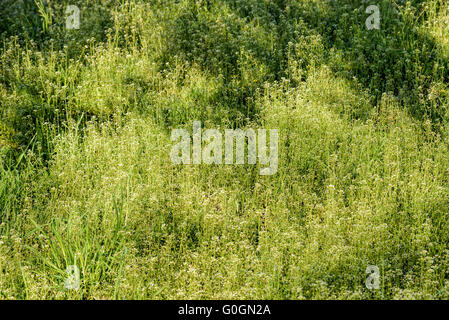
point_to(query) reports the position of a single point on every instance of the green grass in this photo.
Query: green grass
(85, 171)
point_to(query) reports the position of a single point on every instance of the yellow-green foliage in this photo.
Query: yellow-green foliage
(85, 171)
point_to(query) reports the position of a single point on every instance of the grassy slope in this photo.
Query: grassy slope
(86, 178)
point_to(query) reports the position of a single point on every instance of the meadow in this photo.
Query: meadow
(363, 172)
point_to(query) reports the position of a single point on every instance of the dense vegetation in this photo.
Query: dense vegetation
(86, 178)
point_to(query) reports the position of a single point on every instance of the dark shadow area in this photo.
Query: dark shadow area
(44, 23)
(20, 17)
(257, 38)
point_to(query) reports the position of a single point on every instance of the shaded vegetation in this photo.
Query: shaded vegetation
(86, 178)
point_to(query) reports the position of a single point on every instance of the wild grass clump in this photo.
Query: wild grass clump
(85, 171)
